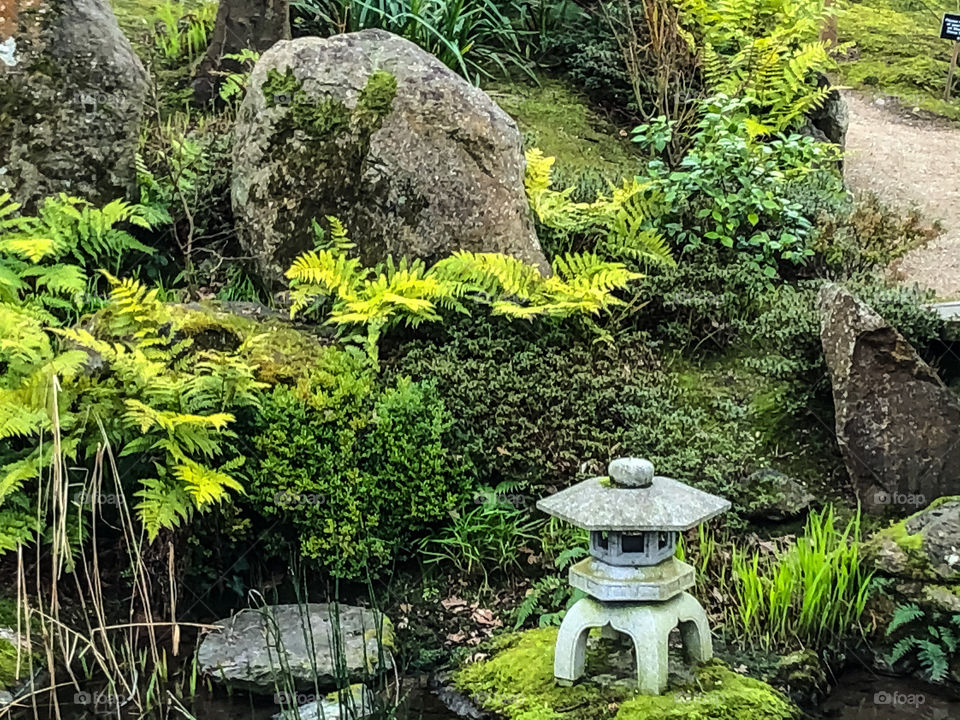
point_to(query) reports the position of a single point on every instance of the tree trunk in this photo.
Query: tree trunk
(240, 24)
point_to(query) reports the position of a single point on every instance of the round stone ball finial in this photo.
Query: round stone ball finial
(631, 472)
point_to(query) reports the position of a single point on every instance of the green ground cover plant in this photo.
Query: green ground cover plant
(895, 49)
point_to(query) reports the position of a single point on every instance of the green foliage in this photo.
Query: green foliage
(410, 293)
(181, 35)
(862, 235)
(813, 591)
(767, 52)
(730, 189)
(354, 471)
(614, 227)
(540, 408)
(931, 640)
(233, 87)
(551, 595)
(183, 174)
(125, 376)
(471, 37)
(484, 538)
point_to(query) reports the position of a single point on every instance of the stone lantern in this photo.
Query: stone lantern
(634, 583)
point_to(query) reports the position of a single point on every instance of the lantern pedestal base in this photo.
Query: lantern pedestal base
(647, 624)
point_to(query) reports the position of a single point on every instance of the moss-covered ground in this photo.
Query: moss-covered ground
(517, 683)
(896, 50)
(561, 123)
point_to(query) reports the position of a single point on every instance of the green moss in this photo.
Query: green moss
(280, 351)
(915, 71)
(375, 101)
(517, 683)
(562, 124)
(8, 663)
(718, 694)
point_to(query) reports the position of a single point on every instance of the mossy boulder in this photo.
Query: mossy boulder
(924, 546)
(71, 98)
(770, 495)
(370, 128)
(517, 683)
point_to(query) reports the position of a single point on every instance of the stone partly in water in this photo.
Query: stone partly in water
(71, 98)
(917, 564)
(897, 424)
(355, 703)
(370, 128)
(245, 653)
(517, 682)
(772, 496)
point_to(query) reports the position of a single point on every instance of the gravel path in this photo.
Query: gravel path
(909, 160)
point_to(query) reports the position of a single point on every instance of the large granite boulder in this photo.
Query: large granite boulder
(370, 128)
(898, 425)
(246, 652)
(71, 98)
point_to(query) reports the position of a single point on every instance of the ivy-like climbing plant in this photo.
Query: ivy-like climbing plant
(409, 292)
(127, 375)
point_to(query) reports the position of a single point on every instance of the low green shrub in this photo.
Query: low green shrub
(731, 189)
(543, 408)
(351, 469)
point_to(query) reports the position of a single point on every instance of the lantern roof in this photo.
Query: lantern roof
(655, 503)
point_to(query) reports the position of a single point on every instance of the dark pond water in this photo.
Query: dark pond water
(862, 695)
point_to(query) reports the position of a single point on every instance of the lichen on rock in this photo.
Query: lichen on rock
(369, 128)
(517, 683)
(70, 104)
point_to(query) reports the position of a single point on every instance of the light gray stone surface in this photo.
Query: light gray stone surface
(71, 98)
(612, 583)
(435, 167)
(597, 504)
(631, 472)
(648, 625)
(246, 652)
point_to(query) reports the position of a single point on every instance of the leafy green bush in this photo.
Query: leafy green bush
(129, 376)
(730, 189)
(353, 471)
(543, 409)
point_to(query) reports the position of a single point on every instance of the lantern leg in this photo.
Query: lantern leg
(571, 650)
(649, 627)
(694, 628)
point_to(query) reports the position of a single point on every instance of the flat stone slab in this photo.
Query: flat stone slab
(247, 651)
(598, 504)
(612, 583)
